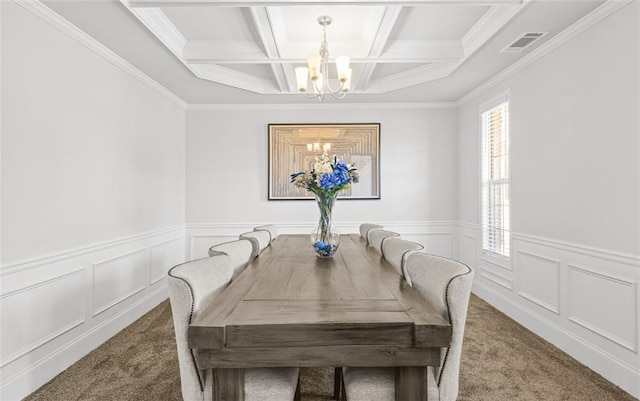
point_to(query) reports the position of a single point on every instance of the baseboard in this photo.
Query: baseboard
(45, 369)
(616, 371)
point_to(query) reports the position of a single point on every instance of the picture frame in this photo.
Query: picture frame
(294, 148)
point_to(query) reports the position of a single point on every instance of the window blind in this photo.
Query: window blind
(495, 180)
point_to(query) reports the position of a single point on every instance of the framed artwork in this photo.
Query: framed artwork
(294, 148)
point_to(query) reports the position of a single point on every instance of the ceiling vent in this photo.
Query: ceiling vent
(523, 41)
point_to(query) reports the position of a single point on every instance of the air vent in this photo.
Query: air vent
(523, 41)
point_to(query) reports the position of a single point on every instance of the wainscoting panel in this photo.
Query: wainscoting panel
(39, 325)
(582, 299)
(489, 272)
(468, 249)
(164, 256)
(57, 308)
(611, 312)
(117, 279)
(539, 280)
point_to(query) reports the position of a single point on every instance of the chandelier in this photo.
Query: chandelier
(318, 70)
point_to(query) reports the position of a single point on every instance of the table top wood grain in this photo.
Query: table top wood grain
(290, 308)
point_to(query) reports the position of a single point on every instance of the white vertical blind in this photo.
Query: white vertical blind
(495, 180)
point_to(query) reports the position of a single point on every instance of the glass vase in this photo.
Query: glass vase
(325, 239)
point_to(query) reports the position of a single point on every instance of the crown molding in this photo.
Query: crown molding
(566, 35)
(322, 106)
(46, 14)
(273, 3)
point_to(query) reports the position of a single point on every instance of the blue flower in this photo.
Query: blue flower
(328, 181)
(327, 175)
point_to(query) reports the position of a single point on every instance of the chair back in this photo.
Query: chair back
(271, 228)
(259, 239)
(192, 287)
(446, 284)
(376, 236)
(240, 251)
(396, 251)
(364, 229)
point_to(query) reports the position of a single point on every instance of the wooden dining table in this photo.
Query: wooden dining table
(291, 308)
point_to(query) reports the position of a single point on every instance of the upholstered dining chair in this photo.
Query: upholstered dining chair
(364, 230)
(377, 236)
(396, 251)
(273, 230)
(446, 284)
(240, 251)
(260, 240)
(192, 287)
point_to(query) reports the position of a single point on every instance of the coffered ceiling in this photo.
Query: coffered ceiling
(246, 51)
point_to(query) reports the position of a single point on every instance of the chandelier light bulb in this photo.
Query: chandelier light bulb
(302, 74)
(342, 66)
(314, 60)
(347, 83)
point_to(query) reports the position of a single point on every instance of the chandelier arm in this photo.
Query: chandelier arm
(337, 95)
(325, 84)
(308, 96)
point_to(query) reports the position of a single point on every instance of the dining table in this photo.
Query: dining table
(289, 308)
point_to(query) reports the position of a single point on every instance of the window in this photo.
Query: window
(495, 179)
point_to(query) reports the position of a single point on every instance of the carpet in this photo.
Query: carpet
(501, 361)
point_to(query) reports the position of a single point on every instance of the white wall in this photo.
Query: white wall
(92, 196)
(226, 188)
(575, 153)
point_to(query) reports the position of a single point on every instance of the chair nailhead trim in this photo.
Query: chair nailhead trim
(193, 356)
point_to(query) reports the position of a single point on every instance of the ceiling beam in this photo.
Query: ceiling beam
(262, 23)
(414, 51)
(273, 3)
(389, 19)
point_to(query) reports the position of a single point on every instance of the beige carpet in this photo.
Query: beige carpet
(502, 361)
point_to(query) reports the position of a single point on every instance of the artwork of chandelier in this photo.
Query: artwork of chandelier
(318, 70)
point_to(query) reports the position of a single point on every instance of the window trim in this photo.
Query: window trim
(498, 99)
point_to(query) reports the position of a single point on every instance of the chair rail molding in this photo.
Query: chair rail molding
(438, 236)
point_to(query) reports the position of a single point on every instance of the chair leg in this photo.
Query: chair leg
(337, 383)
(296, 397)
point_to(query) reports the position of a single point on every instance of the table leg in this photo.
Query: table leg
(411, 383)
(208, 385)
(228, 384)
